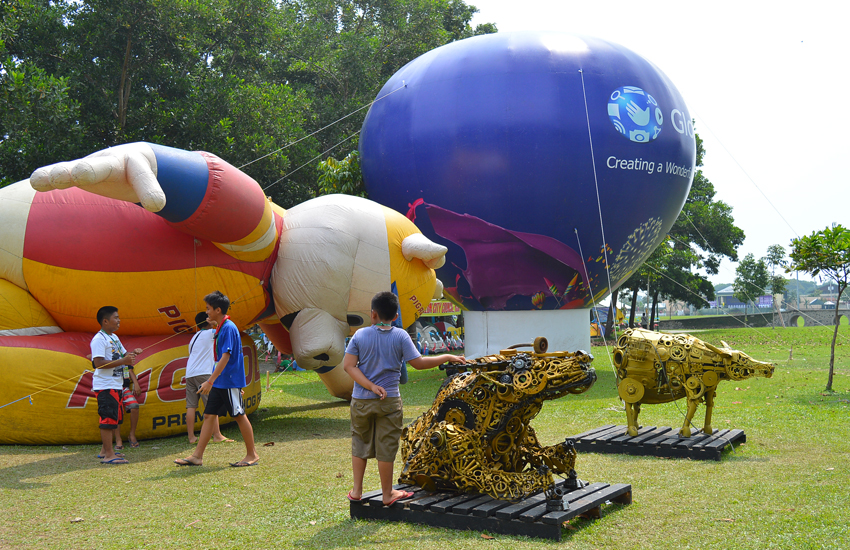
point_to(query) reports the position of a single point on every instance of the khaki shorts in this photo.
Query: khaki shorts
(193, 384)
(376, 428)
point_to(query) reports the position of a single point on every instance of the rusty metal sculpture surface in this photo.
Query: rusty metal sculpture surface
(659, 368)
(477, 438)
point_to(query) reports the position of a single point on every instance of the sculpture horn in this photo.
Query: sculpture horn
(419, 246)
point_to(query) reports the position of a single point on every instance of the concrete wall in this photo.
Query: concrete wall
(811, 317)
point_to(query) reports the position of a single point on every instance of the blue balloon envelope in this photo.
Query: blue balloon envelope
(550, 164)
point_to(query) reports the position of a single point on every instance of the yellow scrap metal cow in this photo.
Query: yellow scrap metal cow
(660, 368)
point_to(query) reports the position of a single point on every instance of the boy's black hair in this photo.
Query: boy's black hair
(218, 300)
(201, 320)
(104, 312)
(385, 304)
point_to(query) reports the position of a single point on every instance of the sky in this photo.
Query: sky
(765, 82)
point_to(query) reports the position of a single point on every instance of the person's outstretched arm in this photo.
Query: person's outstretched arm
(431, 361)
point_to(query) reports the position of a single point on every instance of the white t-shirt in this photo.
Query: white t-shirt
(201, 360)
(110, 348)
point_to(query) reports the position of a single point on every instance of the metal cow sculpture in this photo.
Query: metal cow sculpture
(660, 368)
(476, 437)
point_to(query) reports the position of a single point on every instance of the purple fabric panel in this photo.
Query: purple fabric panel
(501, 263)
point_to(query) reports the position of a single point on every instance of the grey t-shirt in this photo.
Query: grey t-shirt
(380, 354)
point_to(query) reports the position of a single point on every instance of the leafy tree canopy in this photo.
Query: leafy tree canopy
(701, 236)
(825, 252)
(751, 279)
(248, 80)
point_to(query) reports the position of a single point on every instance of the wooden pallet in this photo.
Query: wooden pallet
(657, 441)
(527, 517)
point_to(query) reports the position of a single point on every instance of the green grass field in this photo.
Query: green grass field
(787, 487)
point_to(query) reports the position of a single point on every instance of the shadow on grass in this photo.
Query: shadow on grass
(187, 472)
(344, 534)
(67, 458)
(12, 477)
(578, 524)
(352, 533)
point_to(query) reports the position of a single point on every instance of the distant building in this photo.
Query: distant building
(725, 298)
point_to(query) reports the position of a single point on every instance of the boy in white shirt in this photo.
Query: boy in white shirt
(198, 370)
(109, 359)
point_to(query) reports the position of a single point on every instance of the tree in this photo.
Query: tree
(340, 53)
(245, 79)
(38, 116)
(776, 258)
(342, 176)
(703, 233)
(751, 280)
(706, 225)
(825, 252)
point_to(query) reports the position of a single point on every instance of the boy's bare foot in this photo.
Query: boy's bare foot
(193, 439)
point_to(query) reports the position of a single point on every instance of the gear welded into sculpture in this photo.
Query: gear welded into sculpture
(477, 436)
(659, 368)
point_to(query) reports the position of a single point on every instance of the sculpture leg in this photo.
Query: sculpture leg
(631, 419)
(692, 409)
(637, 415)
(709, 408)
(560, 458)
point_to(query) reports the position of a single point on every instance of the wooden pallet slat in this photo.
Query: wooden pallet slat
(528, 517)
(468, 506)
(428, 500)
(448, 505)
(660, 441)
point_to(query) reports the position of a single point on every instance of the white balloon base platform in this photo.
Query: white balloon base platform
(488, 332)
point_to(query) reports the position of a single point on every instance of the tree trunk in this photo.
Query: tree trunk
(612, 309)
(834, 338)
(654, 311)
(634, 307)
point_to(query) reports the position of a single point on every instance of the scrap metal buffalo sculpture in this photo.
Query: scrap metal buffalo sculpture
(660, 368)
(476, 437)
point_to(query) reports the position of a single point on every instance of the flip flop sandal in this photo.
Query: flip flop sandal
(115, 461)
(242, 464)
(184, 462)
(351, 498)
(404, 496)
(119, 455)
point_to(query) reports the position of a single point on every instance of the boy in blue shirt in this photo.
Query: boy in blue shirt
(373, 359)
(224, 386)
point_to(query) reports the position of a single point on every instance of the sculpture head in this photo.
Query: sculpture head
(336, 252)
(520, 376)
(740, 365)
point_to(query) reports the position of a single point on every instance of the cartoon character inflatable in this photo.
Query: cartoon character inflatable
(152, 230)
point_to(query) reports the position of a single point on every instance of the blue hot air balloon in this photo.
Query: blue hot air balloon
(551, 165)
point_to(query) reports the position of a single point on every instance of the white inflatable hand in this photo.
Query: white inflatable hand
(125, 172)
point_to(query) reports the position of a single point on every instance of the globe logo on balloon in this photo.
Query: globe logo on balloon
(635, 114)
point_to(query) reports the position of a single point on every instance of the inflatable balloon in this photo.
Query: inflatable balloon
(152, 230)
(54, 369)
(550, 165)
